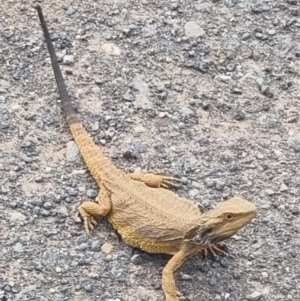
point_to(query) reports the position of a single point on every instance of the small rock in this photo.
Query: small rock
(95, 246)
(193, 192)
(224, 78)
(295, 144)
(111, 49)
(95, 126)
(68, 60)
(8, 32)
(91, 193)
(71, 191)
(265, 274)
(187, 111)
(118, 82)
(73, 153)
(129, 96)
(17, 217)
(88, 287)
(140, 129)
(106, 248)
(70, 11)
(239, 115)
(283, 187)
(140, 84)
(270, 191)
(193, 30)
(255, 296)
(18, 247)
(148, 31)
(58, 270)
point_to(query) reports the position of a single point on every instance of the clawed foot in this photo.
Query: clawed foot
(214, 250)
(168, 182)
(89, 221)
(176, 297)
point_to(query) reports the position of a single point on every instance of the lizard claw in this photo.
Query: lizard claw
(180, 296)
(89, 221)
(214, 250)
(167, 182)
(175, 297)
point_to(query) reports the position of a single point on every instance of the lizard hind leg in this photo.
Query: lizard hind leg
(156, 180)
(87, 210)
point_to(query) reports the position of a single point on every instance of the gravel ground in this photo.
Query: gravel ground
(207, 91)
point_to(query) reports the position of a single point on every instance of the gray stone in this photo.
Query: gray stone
(295, 144)
(18, 247)
(187, 111)
(140, 84)
(68, 60)
(255, 296)
(91, 193)
(129, 96)
(148, 31)
(70, 10)
(193, 30)
(73, 153)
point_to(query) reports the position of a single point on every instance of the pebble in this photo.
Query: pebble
(17, 217)
(140, 84)
(58, 270)
(72, 191)
(187, 111)
(111, 49)
(70, 11)
(91, 193)
(140, 129)
(73, 153)
(68, 60)
(8, 32)
(149, 31)
(95, 247)
(193, 30)
(255, 296)
(106, 248)
(129, 96)
(18, 247)
(295, 144)
(283, 188)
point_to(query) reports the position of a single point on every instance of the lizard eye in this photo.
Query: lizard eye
(229, 217)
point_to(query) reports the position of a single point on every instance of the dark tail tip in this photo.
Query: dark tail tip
(37, 7)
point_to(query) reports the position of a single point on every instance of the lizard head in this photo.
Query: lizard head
(225, 220)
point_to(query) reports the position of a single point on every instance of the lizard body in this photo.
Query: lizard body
(141, 209)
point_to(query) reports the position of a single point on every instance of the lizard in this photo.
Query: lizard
(141, 207)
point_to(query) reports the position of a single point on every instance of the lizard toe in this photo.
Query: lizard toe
(180, 296)
(168, 182)
(89, 223)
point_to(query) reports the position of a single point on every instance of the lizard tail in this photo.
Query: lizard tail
(94, 158)
(66, 104)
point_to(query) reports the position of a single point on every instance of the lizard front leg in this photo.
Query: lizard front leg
(87, 210)
(156, 180)
(168, 280)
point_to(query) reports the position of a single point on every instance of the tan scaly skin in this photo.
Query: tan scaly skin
(141, 209)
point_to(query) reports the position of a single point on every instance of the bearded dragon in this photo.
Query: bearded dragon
(141, 208)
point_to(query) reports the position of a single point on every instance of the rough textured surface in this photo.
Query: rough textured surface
(220, 110)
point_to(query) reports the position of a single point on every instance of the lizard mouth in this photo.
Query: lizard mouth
(208, 236)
